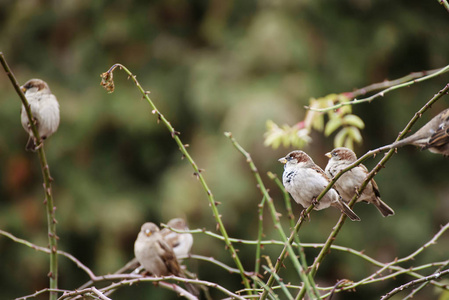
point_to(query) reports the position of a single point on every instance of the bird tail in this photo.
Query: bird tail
(384, 209)
(191, 288)
(346, 210)
(401, 143)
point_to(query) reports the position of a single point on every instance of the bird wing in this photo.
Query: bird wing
(373, 183)
(170, 237)
(320, 171)
(439, 138)
(169, 258)
(375, 188)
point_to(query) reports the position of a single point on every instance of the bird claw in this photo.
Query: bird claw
(38, 146)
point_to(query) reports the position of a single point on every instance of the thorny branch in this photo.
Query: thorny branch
(108, 83)
(389, 86)
(267, 289)
(51, 209)
(379, 166)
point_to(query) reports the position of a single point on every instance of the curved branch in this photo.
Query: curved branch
(382, 93)
(108, 83)
(51, 215)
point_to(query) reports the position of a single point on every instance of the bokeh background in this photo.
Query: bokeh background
(211, 66)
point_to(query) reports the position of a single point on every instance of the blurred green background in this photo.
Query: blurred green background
(211, 66)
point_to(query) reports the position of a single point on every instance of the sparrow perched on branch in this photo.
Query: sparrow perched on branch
(433, 136)
(180, 242)
(156, 255)
(45, 110)
(349, 182)
(305, 180)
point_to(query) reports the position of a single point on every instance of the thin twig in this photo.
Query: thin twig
(130, 279)
(46, 250)
(290, 214)
(279, 281)
(383, 92)
(43, 291)
(383, 266)
(399, 271)
(389, 83)
(325, 250)
(423, 285)
(107, 82)
(259, 237)
(414, 282)
(219, 263)
(299, 266)
(51, 209)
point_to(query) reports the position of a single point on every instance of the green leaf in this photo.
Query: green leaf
(340, 137)
(354, 120)
(349, 143)
(355, 135)
(317, 121)
(332, 125)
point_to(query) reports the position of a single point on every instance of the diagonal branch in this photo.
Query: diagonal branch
(108, 83)
(46, 250)
(325, 250)
(394, 86)
(415, 282)
(300, 266)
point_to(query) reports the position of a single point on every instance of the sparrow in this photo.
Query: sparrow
(180, 242)
(305, 180)
(156, 255)
(45, 109)
(349, 182)
(433, 136)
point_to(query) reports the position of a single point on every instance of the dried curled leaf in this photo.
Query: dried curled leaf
(107, 81)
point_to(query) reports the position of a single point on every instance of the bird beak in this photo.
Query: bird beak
(148, 233)
(23, 89)
(328, 154)
(282, 160)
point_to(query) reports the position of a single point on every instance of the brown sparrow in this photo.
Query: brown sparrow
(156, 255)
(305, 180)
(45, 110)
(349, 182)
(180, 242)
(434, 135)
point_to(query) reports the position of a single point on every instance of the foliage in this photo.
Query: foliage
(298, 136)
(214, 67)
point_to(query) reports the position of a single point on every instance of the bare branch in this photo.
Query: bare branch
(415, 282)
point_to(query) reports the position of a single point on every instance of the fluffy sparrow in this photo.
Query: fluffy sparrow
(45, 110)
(349, 182)
(305, 180)
(156, 255)
(180, 242)
(433, 136)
